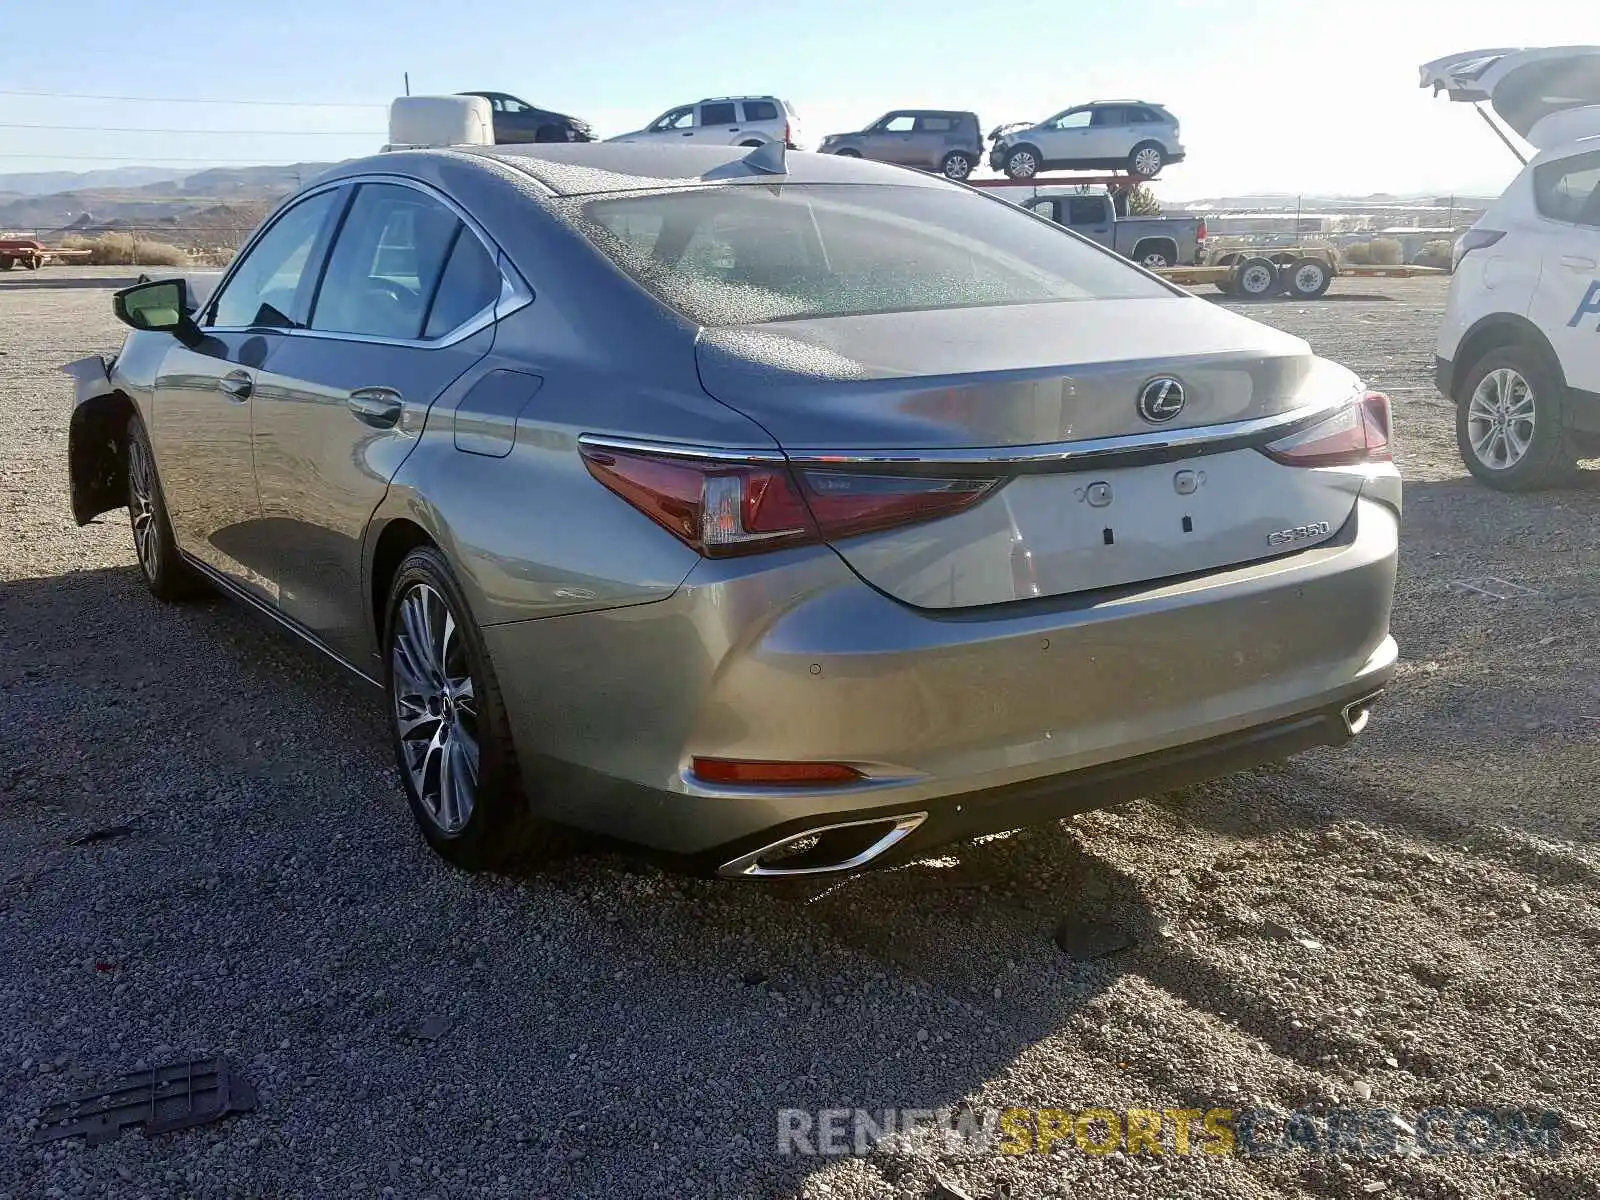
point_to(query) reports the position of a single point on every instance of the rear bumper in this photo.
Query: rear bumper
(1029, 709)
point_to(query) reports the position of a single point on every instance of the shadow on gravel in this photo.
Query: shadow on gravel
(1271, 301)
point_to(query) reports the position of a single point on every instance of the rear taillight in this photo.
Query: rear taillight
(1474, 239)
(1200, 233)
(788, 139)
(1355, 434)
(725, 508)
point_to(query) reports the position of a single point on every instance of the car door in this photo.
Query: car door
(1107, 139)
(892, 139)
(1089, 216)
(404, 307)
(206, 395)
(1064, 138)
(932, 138)
(1566, 301)
(716, 122)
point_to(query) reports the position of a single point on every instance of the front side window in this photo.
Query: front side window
(270, 286)
(1086, 210)
(1072, 120)
(1568, 189)
(745, 255)
(899, 123)
(678, 118)
(717, 114)
(385, 263)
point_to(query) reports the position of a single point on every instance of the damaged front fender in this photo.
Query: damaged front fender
(96, 462)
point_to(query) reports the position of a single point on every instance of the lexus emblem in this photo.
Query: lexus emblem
(1161, 399)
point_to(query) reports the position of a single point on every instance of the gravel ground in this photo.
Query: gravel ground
(1410, 922)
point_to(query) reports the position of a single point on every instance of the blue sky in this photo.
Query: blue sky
(1281, 95)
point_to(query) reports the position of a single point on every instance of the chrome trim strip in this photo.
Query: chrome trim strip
(221, 581)
(745, 454)
(748, 866)
(1066, 453)
(1044, 455)
(515, 293)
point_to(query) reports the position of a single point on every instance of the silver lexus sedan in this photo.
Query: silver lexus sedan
(770, 516)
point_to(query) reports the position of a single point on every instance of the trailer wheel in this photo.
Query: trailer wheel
(1225, 286)
(34, 263)
(1308, 278)
(7, 263)
(1255, 279)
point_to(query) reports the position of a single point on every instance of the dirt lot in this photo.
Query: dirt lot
(1407, 923)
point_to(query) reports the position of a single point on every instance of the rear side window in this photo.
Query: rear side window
(935, 124)
(742, 255)
(718, 114)
(1143, 116)
(1107, 116)
(266, 289)
(470, 283)
(385, 263)
(1569, 189)
(760, 110)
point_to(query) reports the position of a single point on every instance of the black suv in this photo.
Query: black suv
(518, 121)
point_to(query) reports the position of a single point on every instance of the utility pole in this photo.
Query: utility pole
(408, 83)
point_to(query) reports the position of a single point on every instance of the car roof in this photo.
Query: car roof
(720, 99)
(597, 168)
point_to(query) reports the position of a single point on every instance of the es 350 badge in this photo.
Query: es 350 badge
(1300, 533)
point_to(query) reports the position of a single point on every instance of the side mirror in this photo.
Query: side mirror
(161, 306)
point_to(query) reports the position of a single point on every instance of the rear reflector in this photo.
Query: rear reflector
(725, 508)
(773, 774)
(1355, 434)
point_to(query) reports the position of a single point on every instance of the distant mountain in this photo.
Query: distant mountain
(44, 183)
(118, 199)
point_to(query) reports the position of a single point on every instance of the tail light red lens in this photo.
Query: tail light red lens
(773, 774)
(1355, 434)
(1200, 232)
(726, 508)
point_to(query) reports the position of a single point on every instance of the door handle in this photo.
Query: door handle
(376, 406)
(1573, 262)
(237, 385)
(733, 129)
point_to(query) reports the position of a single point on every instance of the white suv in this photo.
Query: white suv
(724, 121)
(1519, 353)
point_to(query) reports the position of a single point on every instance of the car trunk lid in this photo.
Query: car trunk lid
(1549, 95)
(1046, 399)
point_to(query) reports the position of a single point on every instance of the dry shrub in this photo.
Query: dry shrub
(1386, 252)
(1358, 253)
(1435, 254)
(124, 250)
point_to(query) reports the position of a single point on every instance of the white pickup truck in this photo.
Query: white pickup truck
(1152, 242)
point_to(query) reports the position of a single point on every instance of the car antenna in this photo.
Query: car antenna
(767, 158)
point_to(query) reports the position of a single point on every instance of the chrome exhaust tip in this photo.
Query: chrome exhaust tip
(824, 850)
(1357, 713)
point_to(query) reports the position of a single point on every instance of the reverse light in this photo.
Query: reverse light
(754, 773)
(1474, 239)
(1357, 433)
(723, 508)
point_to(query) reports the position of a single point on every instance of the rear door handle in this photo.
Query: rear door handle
(376, 406)
(237, 385)
(1574, 263)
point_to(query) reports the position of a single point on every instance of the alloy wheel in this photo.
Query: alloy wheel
(1500, 419)
(142, 508)
(1147, 162)
(957, 167)
(1154, 261)
(1022, 165)
(435, 708)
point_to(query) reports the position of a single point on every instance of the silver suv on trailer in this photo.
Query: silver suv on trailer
(932, 139)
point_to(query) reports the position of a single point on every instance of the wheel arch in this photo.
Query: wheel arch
(396, 538)
(1493, 332)
(97, 460)
(1156, 242)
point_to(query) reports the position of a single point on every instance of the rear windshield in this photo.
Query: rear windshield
(748, 254)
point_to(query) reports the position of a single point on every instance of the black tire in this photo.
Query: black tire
(1255, 279)
(1146, 159)
(1551, 455)
(7, 263)
(1022, 162)
(500, 830)
(849, 154)
(1308, 278)
(165, 573)
(1225, 286)
(1155, 256)
(751, 145)
(958, 164)
(34, 263)
(546, 134)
